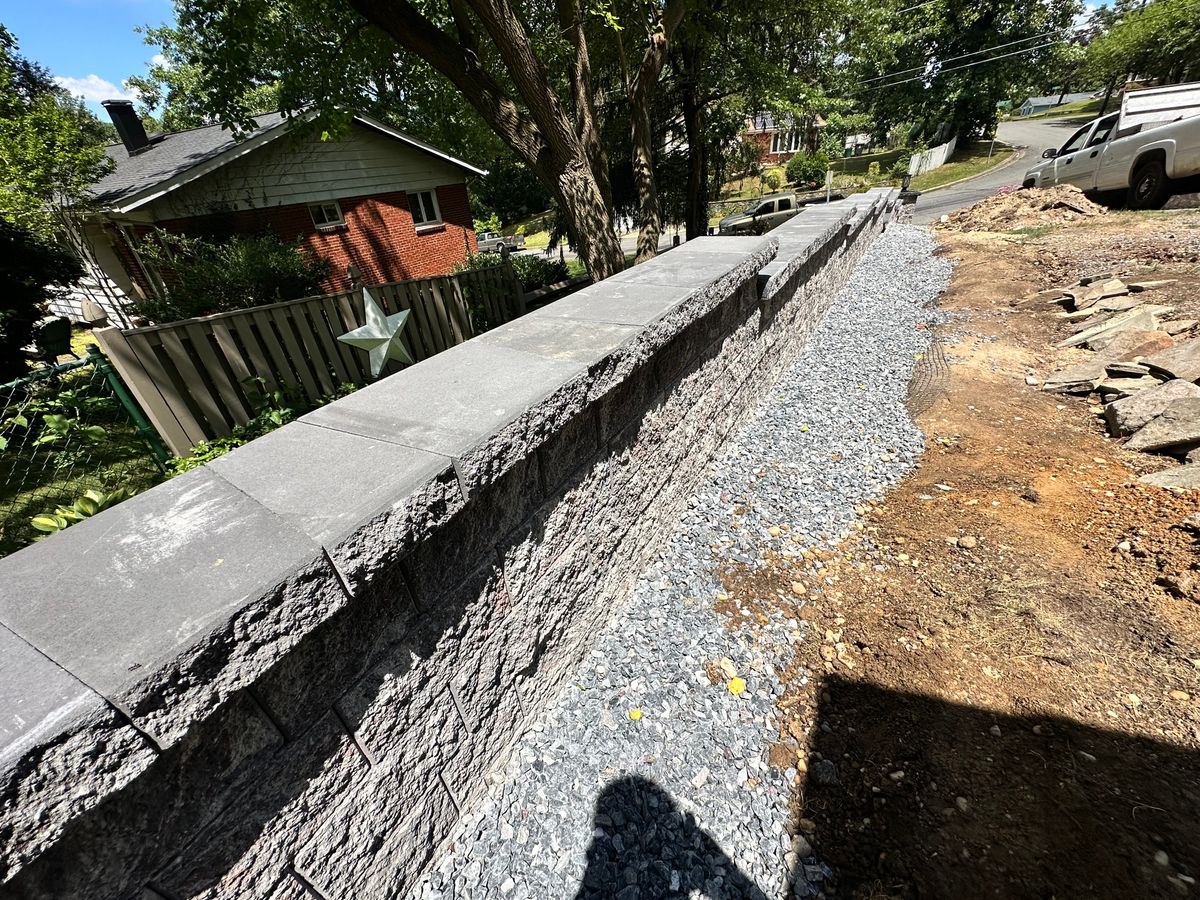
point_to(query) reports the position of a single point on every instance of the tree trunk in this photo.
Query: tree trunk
(1107, 96)
(696, 207)
(641, 95)
(541, 134)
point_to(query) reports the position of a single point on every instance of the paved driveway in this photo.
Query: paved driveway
(1031, 138)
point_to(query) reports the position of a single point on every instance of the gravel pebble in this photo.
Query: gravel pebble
(682, 799)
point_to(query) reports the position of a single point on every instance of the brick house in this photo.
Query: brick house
(779, 140)
(379, 200)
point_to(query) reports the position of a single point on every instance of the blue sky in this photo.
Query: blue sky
(89, 44)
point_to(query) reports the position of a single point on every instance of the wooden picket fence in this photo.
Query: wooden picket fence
(199, 378)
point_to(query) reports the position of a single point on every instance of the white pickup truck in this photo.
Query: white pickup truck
(1142, 154)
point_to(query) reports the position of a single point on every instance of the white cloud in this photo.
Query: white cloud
(158, 60)
(1081, 18)
(94, 89)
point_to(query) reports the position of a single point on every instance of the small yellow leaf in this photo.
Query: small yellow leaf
(635, 714)
(736, 686)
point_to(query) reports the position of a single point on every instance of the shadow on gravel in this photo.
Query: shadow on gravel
(994, 806)
(643, 847)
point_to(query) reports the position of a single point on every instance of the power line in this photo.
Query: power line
(968, 65)
(1023, 40)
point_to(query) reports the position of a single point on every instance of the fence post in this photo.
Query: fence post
(518, 291)
(149, 435)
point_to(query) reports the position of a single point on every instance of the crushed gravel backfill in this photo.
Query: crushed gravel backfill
(648, 777)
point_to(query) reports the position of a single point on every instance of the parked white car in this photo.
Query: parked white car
(491, 242)
(1144, 153)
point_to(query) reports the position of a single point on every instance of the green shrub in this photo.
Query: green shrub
(535, 271)
(900, 168)
(772, 179)
(203, 277)
(807, 168)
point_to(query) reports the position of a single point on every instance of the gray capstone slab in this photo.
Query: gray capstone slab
(560, 338)
(327, 483)
(124, 616)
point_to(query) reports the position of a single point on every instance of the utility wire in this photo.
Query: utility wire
(966, 66)
(1023, 40)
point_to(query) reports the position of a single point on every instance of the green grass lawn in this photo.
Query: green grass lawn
(971, 159)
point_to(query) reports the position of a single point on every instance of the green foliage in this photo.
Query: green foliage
(772, 179)
(509, 191)
(535, 271)
(172, 86)
(807, 168)
(209, 276)
(84, 507)
(490, 222)
(273, 409)
(32, 267)
(532, 270)
(1159, 40)
(51, 146)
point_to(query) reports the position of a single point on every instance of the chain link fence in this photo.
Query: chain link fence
(72, 442)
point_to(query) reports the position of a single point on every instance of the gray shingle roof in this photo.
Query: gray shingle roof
(176, 153)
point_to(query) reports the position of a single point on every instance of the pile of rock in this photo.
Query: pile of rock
(1030, 208)
(1142, 366)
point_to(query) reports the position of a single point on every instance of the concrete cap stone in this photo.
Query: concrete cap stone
(128, 600)
(38, 699)
(451, 402)
(620, 303)
(560, 338)
(325, 483)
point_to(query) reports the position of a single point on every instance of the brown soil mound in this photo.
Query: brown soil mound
(1028, 208)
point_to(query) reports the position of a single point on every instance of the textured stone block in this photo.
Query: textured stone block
(379, 839)
(63, 749)
(251, 843)
(113, 850)
(385, 497)
(171, 601)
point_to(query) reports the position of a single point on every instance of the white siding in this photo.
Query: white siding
(284, 173)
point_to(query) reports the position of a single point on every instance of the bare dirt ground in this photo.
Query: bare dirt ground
(1000, 696)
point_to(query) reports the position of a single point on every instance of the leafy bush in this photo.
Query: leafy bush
(490, 222)
(84, 507)
(532, 270)
(204, 276)
(900, 168)
(772, 179)
(807, 168)
(31, 267)
(535, 271)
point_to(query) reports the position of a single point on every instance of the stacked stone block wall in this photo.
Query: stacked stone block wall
(289, 672)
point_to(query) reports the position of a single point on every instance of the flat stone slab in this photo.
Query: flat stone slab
(1178, 425)
(1126, 370)
(1128, 415)
(1182, 477)
(373, 476)
(1180, 361)
(1124, 387)
(1133, 320)
(1083, 377)
(199, 574)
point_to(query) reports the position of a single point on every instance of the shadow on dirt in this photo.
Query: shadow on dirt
(916, 797)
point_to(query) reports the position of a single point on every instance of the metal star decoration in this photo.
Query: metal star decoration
(380, 337)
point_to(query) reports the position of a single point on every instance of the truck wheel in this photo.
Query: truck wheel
(1151, 187)
(1028, 183)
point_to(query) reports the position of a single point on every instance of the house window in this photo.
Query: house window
(327, 214)
(785, 142)
(425, 212)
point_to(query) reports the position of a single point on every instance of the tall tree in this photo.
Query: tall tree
(51, 146)
(509, 62)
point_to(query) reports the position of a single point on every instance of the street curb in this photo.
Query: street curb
(1018, 153)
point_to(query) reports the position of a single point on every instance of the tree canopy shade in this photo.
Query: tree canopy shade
(947, 60)
(524, 71)
(1159, 41)
(51, 146)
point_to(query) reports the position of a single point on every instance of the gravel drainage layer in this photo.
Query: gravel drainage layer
(648, 777)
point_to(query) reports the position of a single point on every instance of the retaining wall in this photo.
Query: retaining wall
(288, 672)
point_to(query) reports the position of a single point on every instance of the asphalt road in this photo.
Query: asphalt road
(1030, 139)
